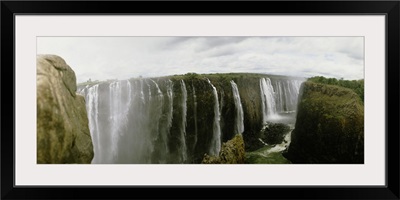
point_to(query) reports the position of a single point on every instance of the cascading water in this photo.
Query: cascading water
(183, 125)
(195, 116)
(170, 95)
(155, 114)
(165, 109)
(119, 109)
(287, 94)
(92, 107)
(221, 104)
(216, 139)
(141, 91)
(239, 126)
(267, 99)
(115, 110)
(149, 88)
(279, 97)
(138, 120)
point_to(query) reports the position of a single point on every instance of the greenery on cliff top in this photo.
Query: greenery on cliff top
(191, 76)
(329, 126)
(356, 85)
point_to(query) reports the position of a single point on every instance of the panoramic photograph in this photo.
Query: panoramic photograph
(200, 100)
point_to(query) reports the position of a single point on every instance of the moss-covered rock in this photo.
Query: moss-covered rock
(63, 134)
(274, 133)
(329, 126)
(232, 152)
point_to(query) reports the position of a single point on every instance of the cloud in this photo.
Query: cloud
(101, 58)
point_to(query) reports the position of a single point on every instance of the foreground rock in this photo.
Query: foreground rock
(63, 134)
(329, 126)
(232, 152)
(274, 133)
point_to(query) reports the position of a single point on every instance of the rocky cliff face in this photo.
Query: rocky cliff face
(329, 126)
(179, 118)
(232, 152)
(62, 125)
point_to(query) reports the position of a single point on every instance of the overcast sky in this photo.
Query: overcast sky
(102, 58)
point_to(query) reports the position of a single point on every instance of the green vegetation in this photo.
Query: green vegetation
(232, 152)
(264, 156)
(356, 85)
(329, 126)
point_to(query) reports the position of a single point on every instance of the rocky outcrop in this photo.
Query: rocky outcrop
(329, 126)
(232, 152)
(63, 134)
(274, 133)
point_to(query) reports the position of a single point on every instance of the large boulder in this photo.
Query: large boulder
(63, 134)
(329, 126)
(274, 133)
(232, 152)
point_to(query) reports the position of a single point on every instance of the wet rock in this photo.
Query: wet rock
(274, 133)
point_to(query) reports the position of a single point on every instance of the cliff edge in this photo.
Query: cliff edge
(329, 126)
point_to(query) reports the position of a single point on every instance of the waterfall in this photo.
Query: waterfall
(268, 99)
(114, 116)
(92, 107)
(149, 88)
(239, 126)
(221, 104)
(287, 94)
(216, 138)
(183, 125)
(155, 121)
(195, 116)
(137, 120)
(170, 95)
(120, 100)
(141, 91)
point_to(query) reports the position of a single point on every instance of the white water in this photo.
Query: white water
(221, 104)
(119, 108)
(285, 144)
(216, 139)
(195, 116)
(287, 94)
(183, 125)
(115, 96)
(132, 121)
(154, 119)
(170, 94)
(141, 91)
(239, 126)
(165, 121)
(268, 104)
(149, 88)
(92, 107)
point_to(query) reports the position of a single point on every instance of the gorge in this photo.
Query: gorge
(179, 119)
(236, 118)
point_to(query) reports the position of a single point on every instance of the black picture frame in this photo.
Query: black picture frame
(9, 9)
